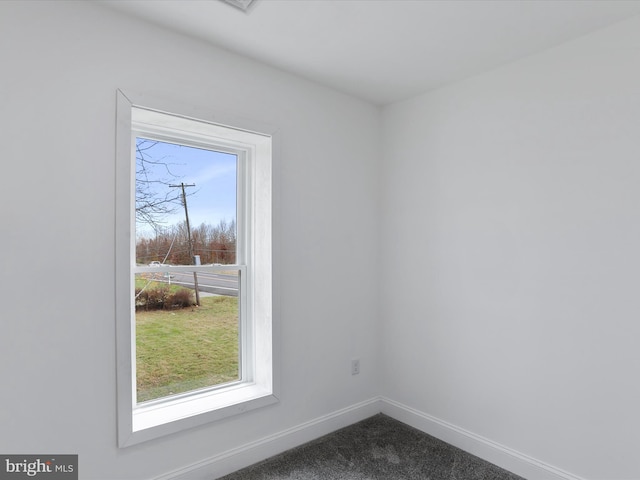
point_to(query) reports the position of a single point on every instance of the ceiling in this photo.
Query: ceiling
(383, 50)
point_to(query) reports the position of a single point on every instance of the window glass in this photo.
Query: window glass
(178, 184)
(187, 323)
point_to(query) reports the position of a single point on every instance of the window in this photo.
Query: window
(193, 271)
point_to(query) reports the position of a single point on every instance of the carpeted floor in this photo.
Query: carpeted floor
(379, 448)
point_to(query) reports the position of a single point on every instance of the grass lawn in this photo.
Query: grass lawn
(148, 281)
(182, 350)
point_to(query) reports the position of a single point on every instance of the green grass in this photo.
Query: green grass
(182, 350)
(146, 281)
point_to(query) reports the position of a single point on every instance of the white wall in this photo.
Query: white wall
(61, 65)
(512, 231)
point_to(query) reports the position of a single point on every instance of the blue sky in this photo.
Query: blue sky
(214, 174)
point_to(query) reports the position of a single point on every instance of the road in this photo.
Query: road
(218, 283)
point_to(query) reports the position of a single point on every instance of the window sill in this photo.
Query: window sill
(157, 419)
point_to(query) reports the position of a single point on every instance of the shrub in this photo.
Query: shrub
(181, 299)
(162, 298)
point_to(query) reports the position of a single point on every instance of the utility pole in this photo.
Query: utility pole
(186, 214)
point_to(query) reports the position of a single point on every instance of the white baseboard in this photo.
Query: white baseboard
(227, 462)
(504, 457)
(237, 458)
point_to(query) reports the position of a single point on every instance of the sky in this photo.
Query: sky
(214, 174)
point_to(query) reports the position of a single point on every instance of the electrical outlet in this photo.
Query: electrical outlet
(355, 366)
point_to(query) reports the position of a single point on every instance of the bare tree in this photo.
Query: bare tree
(154, 200)
(214, 244)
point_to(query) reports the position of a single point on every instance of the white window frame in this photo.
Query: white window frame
(256, 387)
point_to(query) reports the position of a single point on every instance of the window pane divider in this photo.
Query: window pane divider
(188, 268)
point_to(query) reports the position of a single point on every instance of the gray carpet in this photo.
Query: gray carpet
(379, 448)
